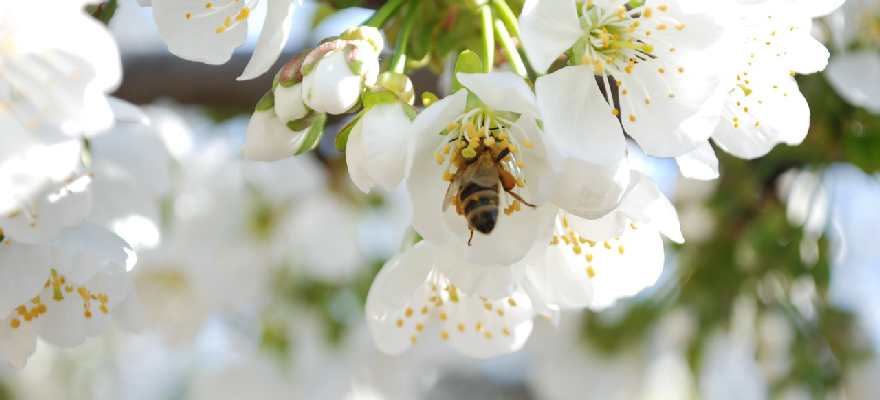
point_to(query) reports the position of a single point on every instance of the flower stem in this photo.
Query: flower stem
(506, 14)
(383, 14)
(516, 61)
(488, 49)
(398, 60)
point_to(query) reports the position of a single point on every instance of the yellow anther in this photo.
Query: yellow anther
(528, 143)
(519, 164)
(221, 29)
(461, 143)
(36, 300)
(632, 118)
(663, 7)
(243, 14)
(648, 12)
(614, 111)
(681, 69)
(632, 225)
(414, 339)
(589, 257)
(14, 323)
(104, 308)
(208, 5)
(620, 249)
(520, 182)
(399, 322)
(419, 327)
(623, 92)
(227, 22)
(188, 15)
(489, 141)
(661, 70)
(661, 27)
(451, 127)
(607, 246)
(479, 326)
(444, 335)
(680, 26)
(488, 335)
(42, 309)
(461, 327)
(512, 302)
(87, 314)
(409, 312)
(443, 316)
(500, 312)
(425, 310)
(647, 101)
(586, 59)
(440, 158)
(591, 272)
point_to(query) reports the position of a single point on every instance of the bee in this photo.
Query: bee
(474, 189)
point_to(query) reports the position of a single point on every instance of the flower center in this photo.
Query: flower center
(565, 236)
(57, 287)
(234, 13)
(459, 313)
(482, 131)
(617, 39)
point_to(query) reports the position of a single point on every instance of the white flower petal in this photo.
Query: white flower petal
(331, 87)
(17, 344)
(560, 278)
(590, 190)
(492, 281)
(482, 329)
(401, 280)
(269, 139)
(699, 163)
(625, 267)
(49, 213)
(503, 91)
(548, 28)
(276, 28)
(82, 251)
(775, 112)
(23, 271)
(578, 117)
(856, 76)
(356, 160)
(197, 31)
(385, 129)
(424, 178)
(289, 102)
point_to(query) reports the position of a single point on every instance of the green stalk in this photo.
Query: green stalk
(510, 48)
(506, 14)
(398, 60)
(488, 50)
(383, 14)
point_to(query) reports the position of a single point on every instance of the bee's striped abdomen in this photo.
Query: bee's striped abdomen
(480, 205)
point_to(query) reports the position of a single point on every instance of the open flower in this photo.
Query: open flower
(763, 106)
(64, 290)
(854, 74)
(657, 61)
(411, 297)
(269, 138)
(593, 263)
(489, 128)
(208, 31)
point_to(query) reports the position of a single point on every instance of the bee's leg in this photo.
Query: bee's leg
(502, 154)
(472, 237)
(516, 196)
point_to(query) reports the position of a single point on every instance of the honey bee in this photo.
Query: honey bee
(475, 191)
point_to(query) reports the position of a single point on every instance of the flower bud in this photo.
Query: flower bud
(287, 90)
(335, 73)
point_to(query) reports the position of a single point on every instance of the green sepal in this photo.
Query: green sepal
(468, 62)
(301, 124)
(367, 34)
(352, 58)
(342, 136)
(313, 137)
(291, 73)
(103, 12)
(378, 95)
(266, 102)
(473, 102)
(429, 98)
(410, 111)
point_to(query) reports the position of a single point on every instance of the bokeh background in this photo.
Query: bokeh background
(253, 276)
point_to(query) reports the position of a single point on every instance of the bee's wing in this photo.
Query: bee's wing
(452, 191)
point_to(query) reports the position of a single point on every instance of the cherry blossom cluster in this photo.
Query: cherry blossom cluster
(521, 189)
(76, 198)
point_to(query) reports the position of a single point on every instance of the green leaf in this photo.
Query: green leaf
(468, 62)
(313, 137)
(103, 12)
(342, 136)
